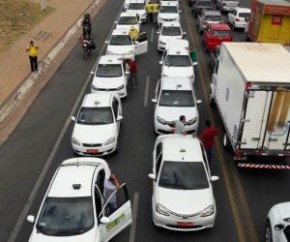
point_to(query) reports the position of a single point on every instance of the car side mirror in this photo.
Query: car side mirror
(195, 63)
(115, 22)
(160, 62)
(105, 220)
(127, 72)
(73, 118)
(30, 219)
(198, 101)
(179, 11)
(92, 73)
(107, 42)
(154, 100)
(152, 176)
(278, 227)
(214, 178)
(119, 118)
(158, 32)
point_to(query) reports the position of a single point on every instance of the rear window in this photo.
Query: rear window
(244, 15)
(220, 33)
(215, 18)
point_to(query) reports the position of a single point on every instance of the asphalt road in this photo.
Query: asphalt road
(42, 140)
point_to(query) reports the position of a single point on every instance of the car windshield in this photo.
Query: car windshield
(176, 98)
(66, 216)
(111, 70)
(171, 31)
(244, 15)
(178, 60)
(94, 116)
(220, 33)
(120, 40)
(213, 18)
(183, 175)
(136, 6)
(128, 20)
(168, 9)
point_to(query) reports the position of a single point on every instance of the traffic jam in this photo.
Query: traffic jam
(85, 201)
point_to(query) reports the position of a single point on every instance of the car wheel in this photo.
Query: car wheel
(268, 233)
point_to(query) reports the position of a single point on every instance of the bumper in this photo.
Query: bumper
(94, 151)
(122, 93)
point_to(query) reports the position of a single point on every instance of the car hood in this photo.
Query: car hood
(185, 201)
(93, 133)
(139, 12)
(178, 71)
(120, 49)
(173, 113)
(108, 82)
(88, 236)
(168, 38)
(168, 15)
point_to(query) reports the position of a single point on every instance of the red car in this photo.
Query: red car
(215, 34)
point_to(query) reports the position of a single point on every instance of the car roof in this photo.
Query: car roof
(180, 45)
(97, 100)
(244, 10)
(168, 3)
(128, 14)
(136, 1)
(211, 12)
(120, 32)
(181, 148)
(221, 26)
(176, 84)
(171, 23)
(110, 59)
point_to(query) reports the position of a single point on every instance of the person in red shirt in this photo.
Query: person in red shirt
(132, 80)
(207, 138)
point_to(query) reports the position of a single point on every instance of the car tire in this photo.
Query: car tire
(268, 232)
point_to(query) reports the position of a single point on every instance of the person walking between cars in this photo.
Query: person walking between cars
(149, 10)
(111, 185)
(132, 80)
(207, 138)
(179, 125)
(32, 53)
(155, 8)
(133, 33)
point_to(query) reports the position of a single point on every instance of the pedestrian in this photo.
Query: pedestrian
(133, 33)
(32, 53)
(207, 138)
(149, 10)
(179, 125)
(155, 8)
(111, 185)
(132, 65)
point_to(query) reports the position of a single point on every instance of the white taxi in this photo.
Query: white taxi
(120, 44)
(182, 198)
(74, 209)
(176, 60)
(127, 20)
(167, 32)
(97, 125)
(137, 7)
(175, 97)
(168, 11)
(110, 76)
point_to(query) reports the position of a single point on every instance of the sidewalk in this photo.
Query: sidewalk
(51, 34)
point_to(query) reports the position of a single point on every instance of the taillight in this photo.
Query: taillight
(237, 153)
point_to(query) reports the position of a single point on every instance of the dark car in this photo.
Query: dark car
(200, 5)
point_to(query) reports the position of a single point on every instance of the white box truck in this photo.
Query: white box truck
(251, 89)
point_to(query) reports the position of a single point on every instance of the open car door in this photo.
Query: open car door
(141, 44)
(114, 222)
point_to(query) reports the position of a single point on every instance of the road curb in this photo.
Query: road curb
(28, 82)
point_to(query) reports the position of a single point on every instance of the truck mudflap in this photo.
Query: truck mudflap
(263, 166)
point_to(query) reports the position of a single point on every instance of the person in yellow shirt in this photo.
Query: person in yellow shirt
(133, 33)
(155, 9)
(149, 10)
(32, 53)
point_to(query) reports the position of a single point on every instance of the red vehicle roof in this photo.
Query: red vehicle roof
(221, 26)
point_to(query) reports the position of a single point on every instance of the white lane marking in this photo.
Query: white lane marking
(31, 198)
(146, 93)
(152, 35)
(134, 215)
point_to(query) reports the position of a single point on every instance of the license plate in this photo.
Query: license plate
(184, 224)
(92, 151)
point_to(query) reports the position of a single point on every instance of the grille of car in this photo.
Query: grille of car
(107, 89)
(92, 145)
(185, 216)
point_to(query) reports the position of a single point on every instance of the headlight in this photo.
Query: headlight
(95, 88)
(161, 120)
(208, 211)
(75, 141)
(191, 121)
(161, 209)
(162, 43)
(120, 88)
(130, 52)
(110, 141)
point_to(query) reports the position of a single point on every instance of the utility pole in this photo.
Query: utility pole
(43, 5)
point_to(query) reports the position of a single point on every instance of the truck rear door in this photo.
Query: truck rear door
(266, 121)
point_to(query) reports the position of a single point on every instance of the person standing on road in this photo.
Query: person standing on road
(207, 138)
(155, 8)
(32, 53)
(179, 125)
(111, 185)
(133, 73)
(133, 33)
(149, 10)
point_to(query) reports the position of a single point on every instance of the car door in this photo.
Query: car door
(117, 109)
(141, 44)
(120, 218)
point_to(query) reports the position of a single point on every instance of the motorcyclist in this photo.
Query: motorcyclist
(87, 26)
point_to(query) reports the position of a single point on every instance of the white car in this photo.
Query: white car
(120, 44)
(169, 31)
(73, 207)
(168, 11)
(127, 20)
(97, 125)
(182, 198)
(171, 1)
(278, 223)
(208, 17)
(110, 76)
(176, 60)
(175, 97)
(237, 17)
(137, 7)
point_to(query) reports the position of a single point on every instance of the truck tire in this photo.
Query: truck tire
(226, 142)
